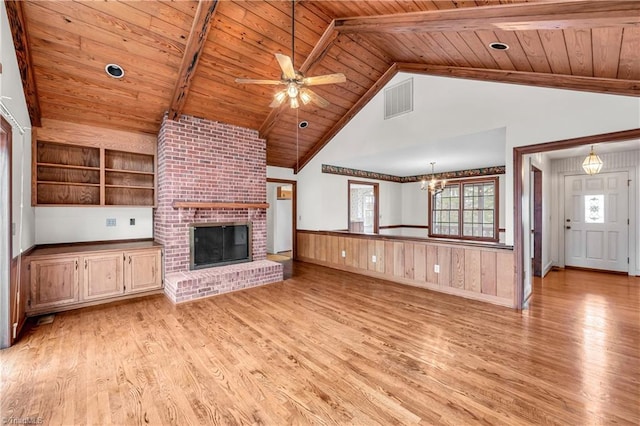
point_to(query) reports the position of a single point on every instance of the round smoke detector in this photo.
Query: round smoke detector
(114, 70)
(496, 45)
(303, 124)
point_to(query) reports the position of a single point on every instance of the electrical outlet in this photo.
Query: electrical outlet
(344, 253)
(132, 221)
(374, 259)
(111, 222)
(436, 269)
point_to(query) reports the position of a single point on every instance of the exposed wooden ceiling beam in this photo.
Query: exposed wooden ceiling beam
(570, 82)
(19, 33)
(195, 43)
(377, 86)
(523, 16)
(319, 51)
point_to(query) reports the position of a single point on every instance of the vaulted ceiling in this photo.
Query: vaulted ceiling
(182, 57)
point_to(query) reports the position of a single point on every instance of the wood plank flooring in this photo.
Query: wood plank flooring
(329, 347)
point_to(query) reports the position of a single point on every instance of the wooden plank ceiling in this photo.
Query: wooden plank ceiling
(184, 56)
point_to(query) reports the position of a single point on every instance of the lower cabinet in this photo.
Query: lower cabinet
(54, 282)
(142, 271)
(71, 280)
(103, 276)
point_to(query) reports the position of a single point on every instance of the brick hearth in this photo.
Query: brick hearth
(207, 161)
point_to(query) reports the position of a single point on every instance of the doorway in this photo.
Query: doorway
(363, 207)
(536, 261)
(519, 154)
(281, 219)
(596, 210)
(8, 294)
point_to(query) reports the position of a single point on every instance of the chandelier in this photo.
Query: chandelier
(592, 164)
(434, 186)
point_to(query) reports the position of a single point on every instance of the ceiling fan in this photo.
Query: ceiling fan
(296, 83)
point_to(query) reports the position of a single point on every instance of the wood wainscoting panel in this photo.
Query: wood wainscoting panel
(334, 249)
(322, 247)
(472, 271)
(457, 267)
(303, 244)
(419, 262)
(398, 259)
(408, 261)
(371, 251)
(380, 263)
(505, 275)
(432, 261)
(388, 258)
(444, 260)
(363, 253)
(488, 275)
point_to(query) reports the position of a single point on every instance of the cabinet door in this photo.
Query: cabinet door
(103, 276)
(54, 282)
(143, 270)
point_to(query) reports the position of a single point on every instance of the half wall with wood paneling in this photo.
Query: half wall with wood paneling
(475, 271)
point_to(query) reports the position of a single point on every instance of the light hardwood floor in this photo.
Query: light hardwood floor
(330, 347)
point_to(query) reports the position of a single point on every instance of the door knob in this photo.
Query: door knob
(568, 227)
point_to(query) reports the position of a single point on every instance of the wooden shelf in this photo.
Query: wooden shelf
(51, 182)
(129, 186)
(206, 205)
(71, 174)
(135, 172)
(67, 166)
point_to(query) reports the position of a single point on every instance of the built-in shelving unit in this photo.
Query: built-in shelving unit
(129, 178)
(67, 174)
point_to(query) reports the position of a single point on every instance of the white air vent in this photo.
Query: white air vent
(398, 99)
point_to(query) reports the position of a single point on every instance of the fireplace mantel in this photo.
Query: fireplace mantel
(209, 205)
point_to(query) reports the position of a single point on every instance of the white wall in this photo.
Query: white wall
(76, 224)
(271, 216)
(280, 173)
(446, 108)
(415, 205)
(323, 198)
(13, 98)
(613, 162)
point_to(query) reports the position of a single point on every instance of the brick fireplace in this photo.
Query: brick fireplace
(206, 161)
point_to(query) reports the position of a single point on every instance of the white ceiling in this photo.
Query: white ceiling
(601, 148)
(458, 124)
(484, 149)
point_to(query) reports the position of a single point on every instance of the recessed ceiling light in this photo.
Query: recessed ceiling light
(114, 70)
(303, 124)
(496, 45)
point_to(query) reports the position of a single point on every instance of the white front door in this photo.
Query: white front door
(596, 212)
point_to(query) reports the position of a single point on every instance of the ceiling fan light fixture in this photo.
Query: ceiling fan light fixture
(305, 97)
(280, 96)
(292, 90)
(293, 102)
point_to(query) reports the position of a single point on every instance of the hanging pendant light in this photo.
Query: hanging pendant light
(434, 186)
(592, 164)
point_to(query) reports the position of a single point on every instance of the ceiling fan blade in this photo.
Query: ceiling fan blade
(287, 66)
(325, 79)
(257, 81)
(315, 98)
